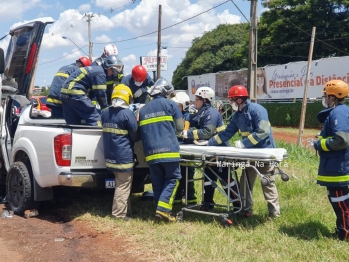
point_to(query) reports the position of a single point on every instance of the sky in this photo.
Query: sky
(129, 24)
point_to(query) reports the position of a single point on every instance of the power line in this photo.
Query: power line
(167, 27)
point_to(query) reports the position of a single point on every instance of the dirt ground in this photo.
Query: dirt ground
(52, 236)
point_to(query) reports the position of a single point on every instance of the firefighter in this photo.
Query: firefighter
(120, 131)
(183, 102)
(251, 120)
(332, 146)
(75, 102)
(160, 120)
(204, 125)
(138, 81)
(53, 99)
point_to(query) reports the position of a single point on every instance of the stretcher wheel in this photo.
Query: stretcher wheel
(265, 181)
(226, 222)
(180, 216)
(285, 177)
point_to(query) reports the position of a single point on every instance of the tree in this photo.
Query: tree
(284, 30)
(218, 50)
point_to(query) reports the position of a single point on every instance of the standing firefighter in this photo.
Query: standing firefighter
(251, 121)
(332, 145)
(120, 131)
(160, 120)
(54, 96)
(183, 102)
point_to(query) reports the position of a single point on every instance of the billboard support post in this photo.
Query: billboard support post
(304, 104)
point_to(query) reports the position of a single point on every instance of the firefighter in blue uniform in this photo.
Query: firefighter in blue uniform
(251, 121)
(160, 120)
(75, 102)
(183, 102)
(203, 125)
(333, 148)
(138, 81)
(120, 131)
(53, 99)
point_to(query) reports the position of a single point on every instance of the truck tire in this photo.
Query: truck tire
(19, 188)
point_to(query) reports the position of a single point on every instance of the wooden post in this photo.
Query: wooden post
(158, 75)
(304, 104)
(252, 53)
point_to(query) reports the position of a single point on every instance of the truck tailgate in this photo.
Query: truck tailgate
(87, 149)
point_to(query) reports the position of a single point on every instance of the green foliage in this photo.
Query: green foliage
(284, 30)
(44, 92)
(215, 51)
(288, 114)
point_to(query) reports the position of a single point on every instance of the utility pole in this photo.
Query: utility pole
(158, 68)
(252, 53)
(89, 17)
(305, 96)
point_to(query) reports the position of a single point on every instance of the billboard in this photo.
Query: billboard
(228, 79)
(288, 81)
(194, 82)
(150, 63)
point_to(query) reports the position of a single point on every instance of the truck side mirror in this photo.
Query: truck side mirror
(34, 103)
(2, 61)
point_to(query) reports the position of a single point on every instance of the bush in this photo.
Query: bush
(289, 114)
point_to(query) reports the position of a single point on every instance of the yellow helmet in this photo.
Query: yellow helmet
(124, 92)
(337, 88)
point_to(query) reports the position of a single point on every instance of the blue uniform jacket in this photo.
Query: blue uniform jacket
(252, 123)
(63, 73)
(160, 120)
(332, 145)
(128, 80)
(206, 123)
(120, 131)
(85, 79)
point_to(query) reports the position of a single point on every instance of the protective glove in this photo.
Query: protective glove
(138, 93)
(185, 134)
(239, 144)
(201, 142)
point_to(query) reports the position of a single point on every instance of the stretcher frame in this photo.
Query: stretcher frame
(209, 159)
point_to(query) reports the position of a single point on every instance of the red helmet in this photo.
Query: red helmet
(237, 91)
(84, 60)
(139, 73)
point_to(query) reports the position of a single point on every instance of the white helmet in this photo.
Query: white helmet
(110, 50)
(205, 92)
(182, 98)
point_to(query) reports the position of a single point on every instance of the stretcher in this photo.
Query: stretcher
(232, 158)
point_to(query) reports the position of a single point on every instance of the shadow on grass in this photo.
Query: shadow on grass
(307, 231)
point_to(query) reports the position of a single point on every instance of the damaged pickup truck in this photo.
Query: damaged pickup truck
(40, 153)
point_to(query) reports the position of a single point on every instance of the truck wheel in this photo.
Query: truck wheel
(20, 195)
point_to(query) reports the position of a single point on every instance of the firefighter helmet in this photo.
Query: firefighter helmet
(139, 73)
(124, 92)
(237, 91)
(205, 92)
(337, 88)
(182, 98)
(84, 60)
(161, 87)
(110, 50)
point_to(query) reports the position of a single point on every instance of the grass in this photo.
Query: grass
(303, 233)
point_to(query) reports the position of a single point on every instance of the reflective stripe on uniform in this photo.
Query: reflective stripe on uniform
(78, 78)
(62, 74)
(221, 128)
(162, 155)
(195, 135)
(339, 199)
(252, 139)
(170, 203)
(244, 134)
(99, 87)
(218, 139)
(111, 82)
(155, 120)
(53, 101)
(119, 166)
(115, 131)
(72, 91)
(333, 178)
(323, 145)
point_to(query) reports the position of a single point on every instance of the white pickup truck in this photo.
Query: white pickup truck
(39, 153)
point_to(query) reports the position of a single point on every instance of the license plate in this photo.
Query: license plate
(110, 183)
